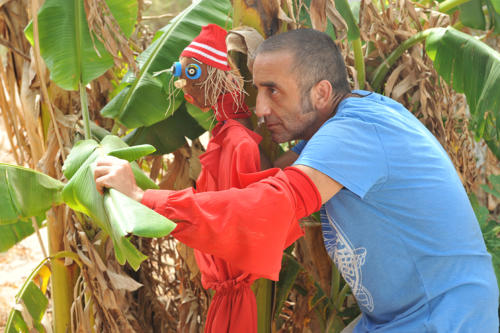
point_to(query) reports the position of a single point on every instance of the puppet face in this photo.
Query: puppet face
(193, 74)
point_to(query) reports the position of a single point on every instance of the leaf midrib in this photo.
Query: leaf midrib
(78, 31)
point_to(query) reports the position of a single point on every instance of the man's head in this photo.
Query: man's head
(298, 74)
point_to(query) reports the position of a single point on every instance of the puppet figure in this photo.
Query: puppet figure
(232, 161)
(208, 81)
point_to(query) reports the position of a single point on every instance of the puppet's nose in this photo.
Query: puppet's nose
(176, 69)
(179, 84)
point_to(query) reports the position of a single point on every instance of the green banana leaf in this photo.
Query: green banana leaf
(35, 303)
(132, 153)
(66, 44)
(13, 233)
(25, 193)
(472, 68)
(115, 213)
(205, 119)
(145, 100)
(167, 135)
(471, 14)
(494, 14)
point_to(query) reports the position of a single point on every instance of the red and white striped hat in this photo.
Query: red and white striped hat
(209, 47)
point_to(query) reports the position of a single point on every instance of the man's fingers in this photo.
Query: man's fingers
(101, 176)
(101, 170)
(101, 183)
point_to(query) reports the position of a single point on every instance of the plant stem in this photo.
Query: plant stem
(450, 4)
(359, 62)
(37, 231)
(263, 295)
(386, 65)
(63, 277)
(85, 111)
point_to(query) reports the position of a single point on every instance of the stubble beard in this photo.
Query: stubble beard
(303, 128)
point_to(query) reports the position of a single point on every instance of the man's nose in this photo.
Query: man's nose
(262, 107)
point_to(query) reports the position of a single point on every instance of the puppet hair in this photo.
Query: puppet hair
(220, 82)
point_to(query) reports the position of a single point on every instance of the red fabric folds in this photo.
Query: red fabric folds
(249, 227)
(239, 221)
(231, 106)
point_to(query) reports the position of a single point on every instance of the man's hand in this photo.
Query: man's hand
(112, 172)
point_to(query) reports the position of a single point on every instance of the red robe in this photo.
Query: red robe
(232, 151)
(237, 241)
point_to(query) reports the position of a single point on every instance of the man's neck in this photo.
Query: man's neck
(339, 98)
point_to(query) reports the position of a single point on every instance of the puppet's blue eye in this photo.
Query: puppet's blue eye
(193, 71)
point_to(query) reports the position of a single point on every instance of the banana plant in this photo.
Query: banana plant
(72, 54)
(74, 57)
(473, 14)
(354, 36)
(27, 193)
(32, 299)
(470, 66)
(15, 232)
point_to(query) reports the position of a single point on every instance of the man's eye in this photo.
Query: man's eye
(273, 90)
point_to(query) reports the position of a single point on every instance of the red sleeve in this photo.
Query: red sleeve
(248, 227)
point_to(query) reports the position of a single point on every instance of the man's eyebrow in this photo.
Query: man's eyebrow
(269, 84)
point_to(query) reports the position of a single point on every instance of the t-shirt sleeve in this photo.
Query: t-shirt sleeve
(299, 147)
(349, 151)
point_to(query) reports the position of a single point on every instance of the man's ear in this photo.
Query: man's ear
(321, 94)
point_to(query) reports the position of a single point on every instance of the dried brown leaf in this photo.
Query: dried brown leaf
(106, 29)
(123, 282)
(318, 14)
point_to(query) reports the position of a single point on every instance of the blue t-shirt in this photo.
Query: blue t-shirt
(401, 231)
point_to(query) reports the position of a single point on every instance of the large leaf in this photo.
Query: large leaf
(32, 304)
(471, 14)
(494, 14)
(472, 68)
(118, 215)
(35, 303)
(145, 100)
(25, 193)
(168, 134)
(13, 233)
(66, 44)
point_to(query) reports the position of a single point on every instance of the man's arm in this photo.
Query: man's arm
(327, 187)
(112, 172)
